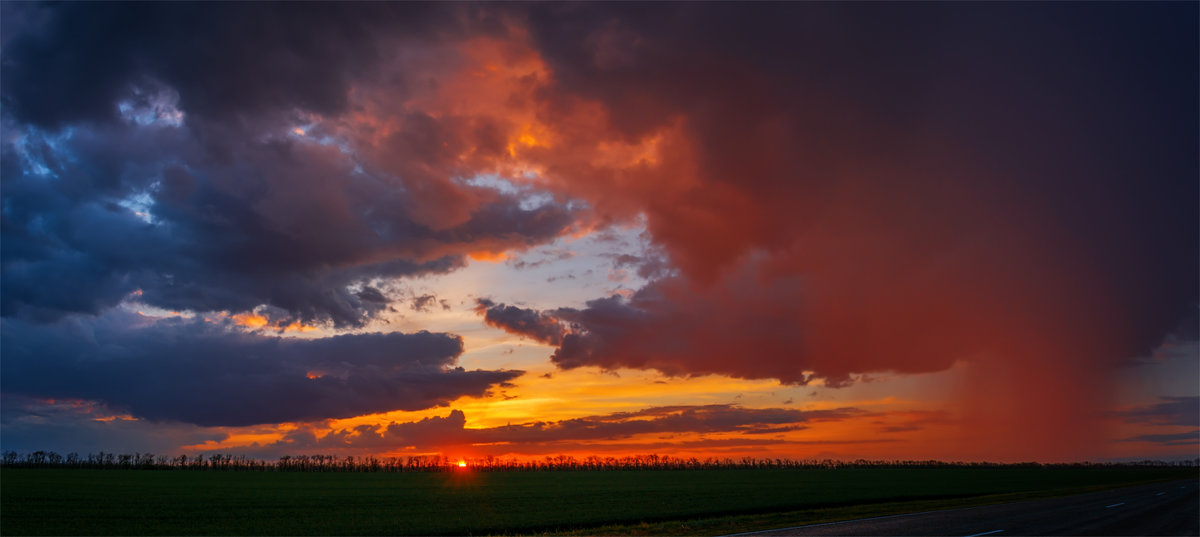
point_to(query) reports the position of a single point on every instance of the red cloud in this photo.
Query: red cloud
(827, 220)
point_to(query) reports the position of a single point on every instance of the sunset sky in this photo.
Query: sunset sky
(962, 231)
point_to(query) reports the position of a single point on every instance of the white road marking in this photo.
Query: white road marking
(985, 533)
(1114, 505)
(1160, 494)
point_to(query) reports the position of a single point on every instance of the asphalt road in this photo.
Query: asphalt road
(1171, 508)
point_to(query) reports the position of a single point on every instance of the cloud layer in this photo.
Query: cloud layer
(213, 374)
(255, 187)
(449, 432)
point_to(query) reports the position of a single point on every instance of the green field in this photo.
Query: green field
(159, 502)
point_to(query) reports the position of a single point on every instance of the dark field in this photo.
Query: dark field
(106, 502)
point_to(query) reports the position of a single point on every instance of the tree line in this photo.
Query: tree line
(438, 463)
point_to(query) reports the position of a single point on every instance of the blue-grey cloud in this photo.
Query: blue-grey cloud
(67, 426)
(1189, 438)
(71, 63)
(1176, 411)
(539, 326)
(144, 149)
(282, 223)
(211, 374)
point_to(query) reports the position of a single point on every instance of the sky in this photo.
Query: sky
(956, 231)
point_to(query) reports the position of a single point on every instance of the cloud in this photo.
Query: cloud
(665, 327)
(1178, 411)
(75, 62)
(1168, 439)
(521, 321)
(441, 432)
(84, 427)
(912, 420)
(211, 374)
(804, 158)
(423, 303)
(210, 179)
(287, 223)
(550, 257)
(831, 213)
(668, 419)
(746, 327)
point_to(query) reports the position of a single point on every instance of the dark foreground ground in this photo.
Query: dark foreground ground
(1171, 508)
(647, 502)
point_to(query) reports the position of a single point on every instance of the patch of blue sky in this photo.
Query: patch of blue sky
(133, 304)
(529, 197)
(567, 272)
(38, 151)
(342, 145)
(532, 201)
(312, 130)
(494, 182)
(158, 107)
(140, 204)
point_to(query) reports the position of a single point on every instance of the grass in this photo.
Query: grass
(724, 525)
(165, 502)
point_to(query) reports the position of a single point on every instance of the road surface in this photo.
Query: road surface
(1171, 508)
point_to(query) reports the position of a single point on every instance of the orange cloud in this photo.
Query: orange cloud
(803, 254)
(488, 257)
(250, 320)
(255, 321)
(297, 326)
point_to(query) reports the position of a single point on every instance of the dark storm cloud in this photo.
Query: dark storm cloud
(150, 147)
(73, 62)
(744, 330)
(209, 374)
(1009, 185)
(831, 137)
(286, 224)
(895, 137)
(521, 321)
